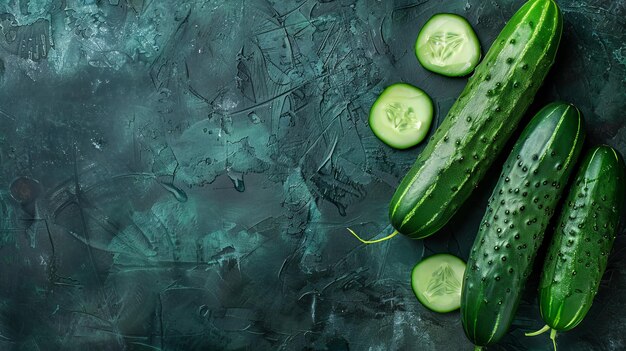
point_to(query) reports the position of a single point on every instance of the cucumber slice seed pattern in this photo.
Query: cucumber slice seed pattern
(442, 282)
(444, 45)
(447, 45)
(402, 117)
(437, 282)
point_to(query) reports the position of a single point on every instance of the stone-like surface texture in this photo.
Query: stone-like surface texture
(193, 166)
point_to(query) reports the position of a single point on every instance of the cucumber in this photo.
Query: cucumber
(479, 123)
(436, 282)
(584, 235)
(448, 45)
(401, 116)
(519, 209)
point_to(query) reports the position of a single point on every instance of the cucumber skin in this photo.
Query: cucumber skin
(565, 298)
(518, 212)
(479, 123)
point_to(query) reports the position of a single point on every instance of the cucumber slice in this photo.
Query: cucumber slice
(401, 116)
(437, 282)
(448, 45)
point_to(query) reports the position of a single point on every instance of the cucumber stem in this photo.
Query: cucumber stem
(540, 331)
(478, 348)
(543, 330)
(395, 232)
(553, 338)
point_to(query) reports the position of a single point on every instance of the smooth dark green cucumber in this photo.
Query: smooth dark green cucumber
(584, 235)
(479, 123)
(520, 208)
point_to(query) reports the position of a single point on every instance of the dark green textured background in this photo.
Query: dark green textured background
(200, 160)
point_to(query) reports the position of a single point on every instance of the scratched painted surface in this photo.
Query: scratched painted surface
(177, 175)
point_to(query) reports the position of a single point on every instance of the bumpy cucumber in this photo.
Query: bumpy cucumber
(584, 235)
(512, 229)
(480, 122)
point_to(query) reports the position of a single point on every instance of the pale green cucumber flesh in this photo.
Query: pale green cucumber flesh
(448, 45)
(436, 282)
(401, 116)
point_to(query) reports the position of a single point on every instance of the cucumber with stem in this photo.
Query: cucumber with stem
(479, 123)
(584, 235)
(518, 212)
